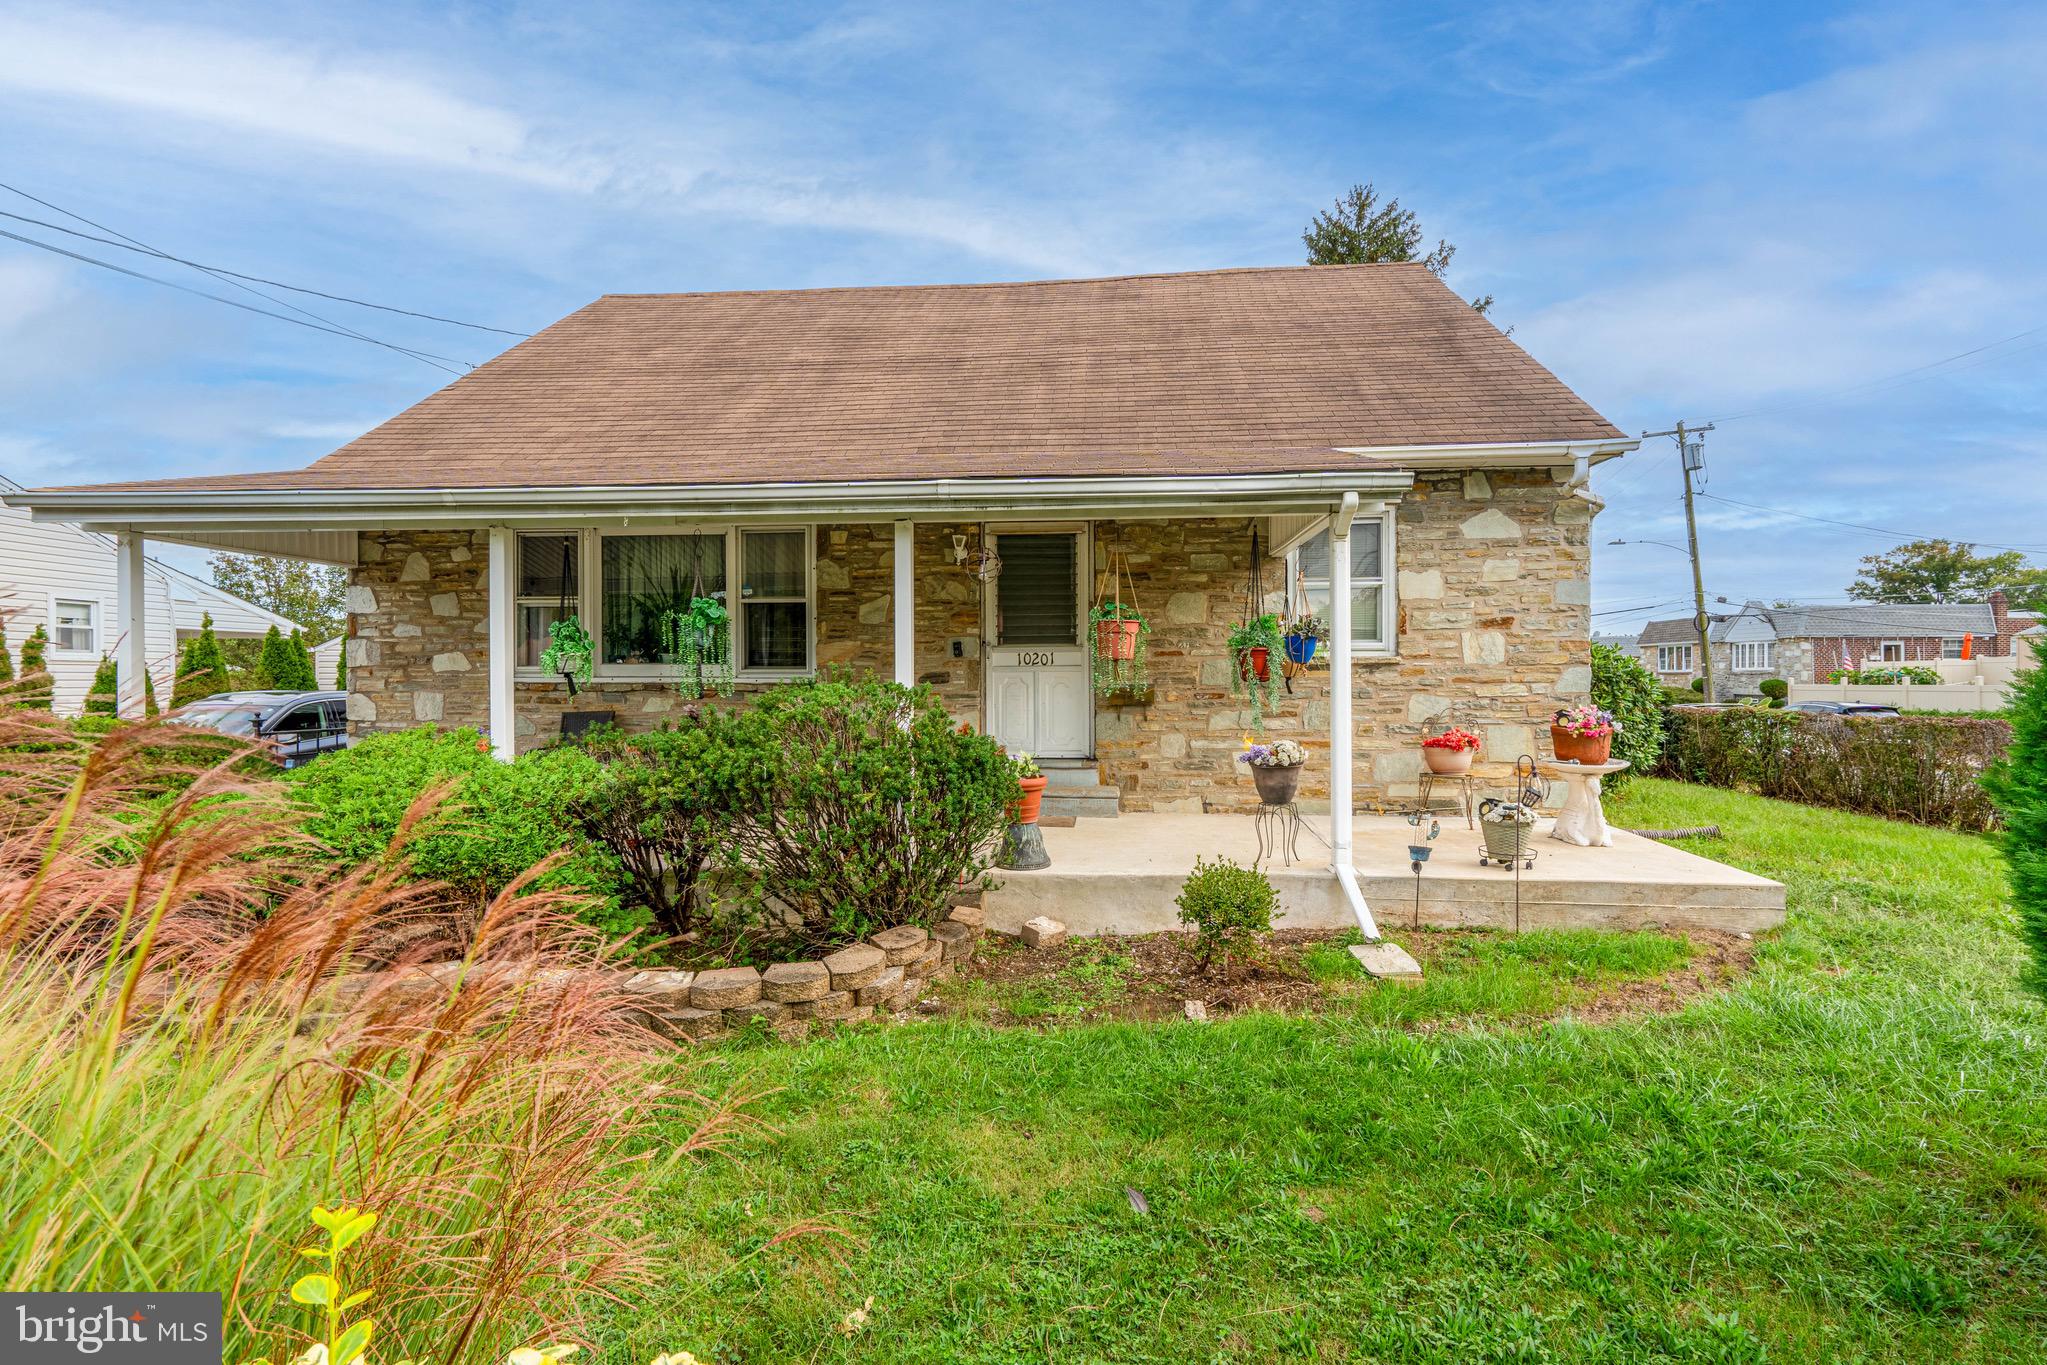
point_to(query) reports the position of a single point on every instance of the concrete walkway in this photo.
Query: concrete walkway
(1120, 877)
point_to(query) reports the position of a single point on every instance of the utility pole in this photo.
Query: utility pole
(1691, 457)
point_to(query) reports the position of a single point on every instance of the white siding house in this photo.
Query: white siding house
(55, 575)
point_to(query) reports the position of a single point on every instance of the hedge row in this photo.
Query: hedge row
(1926, 769)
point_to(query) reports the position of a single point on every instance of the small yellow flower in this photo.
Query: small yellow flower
(676, 1358)
(544, 1355)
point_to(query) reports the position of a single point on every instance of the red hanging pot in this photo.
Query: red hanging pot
(1255, 662)
(1117, 640)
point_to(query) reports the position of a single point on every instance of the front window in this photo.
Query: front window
(1951, 648)
(1755, 656)
(1673, 658)
(1371, 597)
(547, 580)
(644, 578)
(774, 601)
(74, 627)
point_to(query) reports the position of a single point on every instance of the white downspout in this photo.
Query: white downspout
(498, 665)
(905, 569)
(1340, 738)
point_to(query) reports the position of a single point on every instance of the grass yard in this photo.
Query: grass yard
(1842, 1157)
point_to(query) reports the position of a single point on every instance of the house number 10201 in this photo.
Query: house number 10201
(1035, 658)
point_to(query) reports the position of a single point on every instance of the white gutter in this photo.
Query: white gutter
(1342, 743)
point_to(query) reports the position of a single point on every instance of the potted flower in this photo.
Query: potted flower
(1275, 767)
(1117, 650)
(1303, 635)
(1451, 752)
(1032, 780)
(1252, 646)
(568, 653)
(1582, 734)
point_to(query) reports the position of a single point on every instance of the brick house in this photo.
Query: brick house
(1808, 644)
(836, 462)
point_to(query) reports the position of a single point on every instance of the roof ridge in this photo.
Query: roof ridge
(1016, 284)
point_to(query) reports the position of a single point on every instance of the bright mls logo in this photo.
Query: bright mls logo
(113, 1329)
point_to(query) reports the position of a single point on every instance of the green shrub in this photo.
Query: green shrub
(500, 820)
(1925, 769)
(6, 659)
(100, 698)
(855, 805)
(1229, 906)
(202, 667)
(1623, 685)
(1888, 677)
(1699, 687)
(659, 813)
(1775, 689)
(2019, 785)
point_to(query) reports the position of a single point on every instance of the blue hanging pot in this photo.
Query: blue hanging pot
(1300, 649)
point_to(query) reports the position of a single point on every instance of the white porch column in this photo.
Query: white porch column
(131, 622)
(906, 604)
(1340, 745)
(498, 606)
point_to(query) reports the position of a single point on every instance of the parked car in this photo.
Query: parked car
(1842, 708)
(297, 726)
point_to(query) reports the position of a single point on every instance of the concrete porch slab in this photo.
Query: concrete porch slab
(1121, 877)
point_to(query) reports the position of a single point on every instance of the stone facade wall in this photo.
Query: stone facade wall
(1493, 589)
(1493, 577)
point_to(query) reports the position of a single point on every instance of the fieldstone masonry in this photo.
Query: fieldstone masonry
(1493, 589)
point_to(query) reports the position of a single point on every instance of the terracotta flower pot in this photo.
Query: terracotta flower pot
(1277, 786)
(1255, 662)
(1448, 762)
(1117, 639)
(1572, 748)
(1025, 811)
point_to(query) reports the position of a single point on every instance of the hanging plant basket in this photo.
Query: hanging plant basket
(1120, 635)
(569, 652)
(1253, 645)
(1116, 641)
(699, 641)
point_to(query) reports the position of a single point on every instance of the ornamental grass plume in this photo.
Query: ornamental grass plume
(193, 1054)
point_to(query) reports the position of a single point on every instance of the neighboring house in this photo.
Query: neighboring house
(1614, 641)
(839, 462)
(327, 660)
(1808, 644)
(61, 577)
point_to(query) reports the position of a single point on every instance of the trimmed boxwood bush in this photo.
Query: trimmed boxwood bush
(500, 819)
(1775, 689)
(1623, 684)
(1926, 769)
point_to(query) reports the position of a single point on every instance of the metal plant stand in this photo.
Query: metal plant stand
(1279, 831)
(1467, 792)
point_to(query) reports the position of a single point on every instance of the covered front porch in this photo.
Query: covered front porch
(1120, 877)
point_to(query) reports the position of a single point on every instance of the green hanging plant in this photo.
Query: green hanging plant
(1118, 651)
(1255, 676)
(569, 652)
(699, 642)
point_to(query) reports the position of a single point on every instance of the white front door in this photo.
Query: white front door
(1039, 701)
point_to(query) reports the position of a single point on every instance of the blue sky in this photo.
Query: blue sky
(1685, 210)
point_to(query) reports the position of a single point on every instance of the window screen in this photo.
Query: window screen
(1038, 591)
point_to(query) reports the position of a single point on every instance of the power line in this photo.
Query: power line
(233, 303)
(1873, 530)
(1907, 375)
(236, 274)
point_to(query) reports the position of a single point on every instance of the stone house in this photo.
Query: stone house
(1808, 644)
(842, 466)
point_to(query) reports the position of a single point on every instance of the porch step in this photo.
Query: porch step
(1101, 801)
(1070, 772)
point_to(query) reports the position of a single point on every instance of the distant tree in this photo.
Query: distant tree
(1360, 229)
(2018, 783)
(101, 698)
(1948, 571)
(309, 594)
(303, 676)
(202, 668)
(275, 665)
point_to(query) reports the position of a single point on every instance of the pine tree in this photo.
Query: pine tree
(2019, 786)
(36, 686)
(304, 679)
(102, 697)
(149, 706)
(274, 664)
(202, 668)
(32, 652)
(6, 659)
(341, 668)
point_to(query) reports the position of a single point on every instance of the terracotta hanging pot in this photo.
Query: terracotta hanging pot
(1117, 640)
(1025, 811)
(1255, 662)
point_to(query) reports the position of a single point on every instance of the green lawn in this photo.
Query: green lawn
(1842, 1158)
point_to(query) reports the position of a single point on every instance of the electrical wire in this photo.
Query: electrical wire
(1858, 526)
(236, 274)
(1910, 376)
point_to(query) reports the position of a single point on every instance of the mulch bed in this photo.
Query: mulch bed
(1163, 973)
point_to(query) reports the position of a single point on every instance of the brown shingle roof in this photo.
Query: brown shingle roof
(1230, 371)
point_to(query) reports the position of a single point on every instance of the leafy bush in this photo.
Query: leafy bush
(1921, 768)
(1888, 677)
(2019, 786)
(1699, 687)
(854, 805)
(1775, 689)
(1229, 906)
(202, 666)
(500, 820)
(1623, 685)
(660, 814)
(101, 697)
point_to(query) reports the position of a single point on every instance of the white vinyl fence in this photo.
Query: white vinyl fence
(1966, 685)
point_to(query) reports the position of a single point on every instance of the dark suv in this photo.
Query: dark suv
(297, 726)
